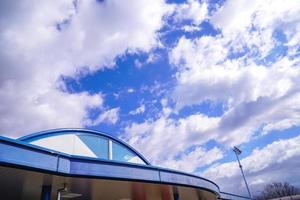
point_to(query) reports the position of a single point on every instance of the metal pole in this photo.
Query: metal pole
(59, 194)
(59, 191)
(243, 175)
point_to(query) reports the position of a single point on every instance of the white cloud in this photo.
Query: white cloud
(34, 55)
(138, 64)
(192, 10)
(277, 161)
(152, 58)
(110, 116)
(130, 90)
(252, 25)
(232, 69)
(205, 73)
(163, 139)
(139, 110)
(199, 157)
(234, 17)
(190, 28)
(33, 108)
(256, 92)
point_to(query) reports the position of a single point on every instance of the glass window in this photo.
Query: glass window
(91, 146)
(121, 153)
(61, 143)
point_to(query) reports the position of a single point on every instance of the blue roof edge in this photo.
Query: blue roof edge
(23, 155)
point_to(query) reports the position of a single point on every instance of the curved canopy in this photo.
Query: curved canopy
(86, 143)
(49, 154)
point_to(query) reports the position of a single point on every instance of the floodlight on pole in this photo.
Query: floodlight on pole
(237, 152)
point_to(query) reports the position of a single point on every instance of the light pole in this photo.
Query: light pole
(237, 152)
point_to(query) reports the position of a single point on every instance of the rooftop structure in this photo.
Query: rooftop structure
(85, 164)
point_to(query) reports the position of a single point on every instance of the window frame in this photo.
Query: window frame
(31, 138)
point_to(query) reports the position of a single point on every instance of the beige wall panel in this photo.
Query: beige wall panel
(187, 193)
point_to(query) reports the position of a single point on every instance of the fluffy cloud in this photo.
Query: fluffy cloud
(193, 10)
(234, 17)
(277, 161)
(198, 157)
(206, 73)
(253, 25)
(163, 140)
(240, 69)
(43, 41)
(110, 116)
(251, 68)
(139, 110)
(33, 108)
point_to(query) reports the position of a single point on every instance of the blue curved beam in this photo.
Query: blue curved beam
(19, 154)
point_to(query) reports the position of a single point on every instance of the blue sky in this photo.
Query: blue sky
(181, 81)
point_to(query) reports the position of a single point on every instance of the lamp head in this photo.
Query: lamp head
(237, 150)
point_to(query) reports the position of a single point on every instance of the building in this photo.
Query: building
(85, 164)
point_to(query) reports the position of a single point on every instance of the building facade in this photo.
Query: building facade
(85, 164)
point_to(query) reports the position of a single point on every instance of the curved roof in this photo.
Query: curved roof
(21, 154)
(55, 132)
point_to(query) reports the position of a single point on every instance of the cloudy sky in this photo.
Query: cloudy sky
(181, 81)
